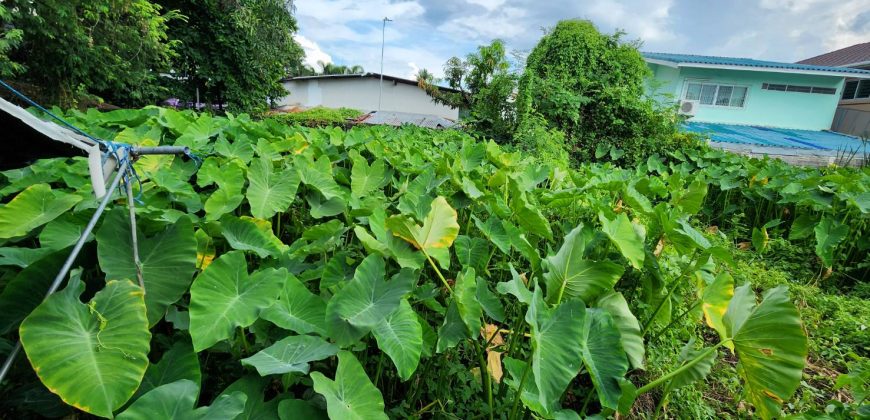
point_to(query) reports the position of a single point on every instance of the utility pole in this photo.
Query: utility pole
(381, 85)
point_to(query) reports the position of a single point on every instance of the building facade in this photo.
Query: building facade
(361, 92)
(750, 92)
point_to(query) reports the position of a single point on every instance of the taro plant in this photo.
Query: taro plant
(371, 273)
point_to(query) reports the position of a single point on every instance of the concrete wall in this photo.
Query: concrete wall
(808, 111)
(362, 93)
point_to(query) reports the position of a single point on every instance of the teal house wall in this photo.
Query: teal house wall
(770, 108)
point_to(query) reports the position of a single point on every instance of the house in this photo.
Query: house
(362, 91)
(782, 107)
(853, 112)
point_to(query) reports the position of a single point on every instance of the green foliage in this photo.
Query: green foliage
(9, 40)
(318, 117)
(590, 86)
(483, 84)
(388, 252)
(234, 52)
(112, 48)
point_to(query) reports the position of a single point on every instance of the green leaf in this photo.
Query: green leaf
(321, 207)
(368, 299)
(770, 344)
(626, 238)
(176, 400)
(452, 330)
(22, 257)
(568, 274)
(691, 198)
(351, 395)
(270, 192)
(290, 354)
(224, 297)
(32, 208)
(297, 309)
(253, 387)
(63, 231)
(698, 371)
(92, 355)
(386, 243)
(465, 296)
(802, 227)
(829, 234)
(471, 252)
(438, 232)
(557, 339)
(693, 234)
(516, 287)
(221, 202)
(299, 409)
(180, 362)
(318, 175)
(760, 239)
(493, 230)
(364, 178)
(490, 302)
(629, 327)
(637, 201)
(28, 288)
(250, 234)
(602, 353)
(168, 259)
(400, 336)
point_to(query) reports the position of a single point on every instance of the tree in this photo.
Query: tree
(112, 48)
(234, 52)
(330, 68)
(482, 84)
(590, 86)
(10, 38)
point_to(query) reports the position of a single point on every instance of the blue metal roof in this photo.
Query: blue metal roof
(823, 142)
(751, 63)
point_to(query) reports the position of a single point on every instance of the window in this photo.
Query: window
(849, 89)
(718, 95)
(799, 88)
(863, 90)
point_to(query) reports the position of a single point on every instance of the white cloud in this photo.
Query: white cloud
(313, 53)
(414, 70)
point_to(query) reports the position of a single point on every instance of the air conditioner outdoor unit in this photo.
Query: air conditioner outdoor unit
(688, 107)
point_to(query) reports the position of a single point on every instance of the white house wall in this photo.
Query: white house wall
(362, 93)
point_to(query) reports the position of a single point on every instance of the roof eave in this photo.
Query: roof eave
(776, 70)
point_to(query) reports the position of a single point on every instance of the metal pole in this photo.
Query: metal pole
(381, 85)
(71, 258)
(131, 205)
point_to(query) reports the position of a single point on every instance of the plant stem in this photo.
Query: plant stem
(520, 390)
(244, 340)
(438, 272)
(485, 379)
(681, 369)
(674, 321)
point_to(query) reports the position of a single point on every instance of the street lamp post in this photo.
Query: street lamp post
(381, 85)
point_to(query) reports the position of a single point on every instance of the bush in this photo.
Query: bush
(318, 117)
(591, 87)
(546, 144)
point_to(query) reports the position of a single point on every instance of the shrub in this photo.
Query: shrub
(318, 116)
(591, 87)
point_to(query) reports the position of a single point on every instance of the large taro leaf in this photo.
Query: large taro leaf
(92, 355)
(368, 299)
(386, 244)
(516, 287)
(297, 309)
(829, 234)
(365, 178)
(290, 354)
(569, 274)
(463, 317)
(494, 231)
(221, 202)
(400, 336)
(253, 387)
(179, 362)
(557, 338)
(471, 252)
(32, 208)
(176, 400)
(438, 232)
(318, 174)
(627, 238)
(251, 234)
(27, 289)
(601, 350)
(629, 328)
(697, 371)
(168, 259)
(351, 395)
(225, 296)
(270, 191)
(770, 344)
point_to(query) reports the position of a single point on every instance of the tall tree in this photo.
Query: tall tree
(112, 48)
(482, 84)
(234, 52)
(10, 38)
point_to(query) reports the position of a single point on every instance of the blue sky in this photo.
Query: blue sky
(425, 33)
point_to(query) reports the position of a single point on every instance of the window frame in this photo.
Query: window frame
(717, 85)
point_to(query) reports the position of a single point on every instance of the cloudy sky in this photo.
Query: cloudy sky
(425, 33)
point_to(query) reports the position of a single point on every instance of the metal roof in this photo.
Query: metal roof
(401, 118)
(689, 60)
(856, 55)
(362, 75)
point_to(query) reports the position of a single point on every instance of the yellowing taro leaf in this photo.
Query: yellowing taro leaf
(491, 335)
(439, 229)
(714, 302)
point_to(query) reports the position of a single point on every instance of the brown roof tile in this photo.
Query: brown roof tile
(858, 53)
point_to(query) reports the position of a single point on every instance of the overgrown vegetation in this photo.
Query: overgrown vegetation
(405, 272)
(318, 117)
